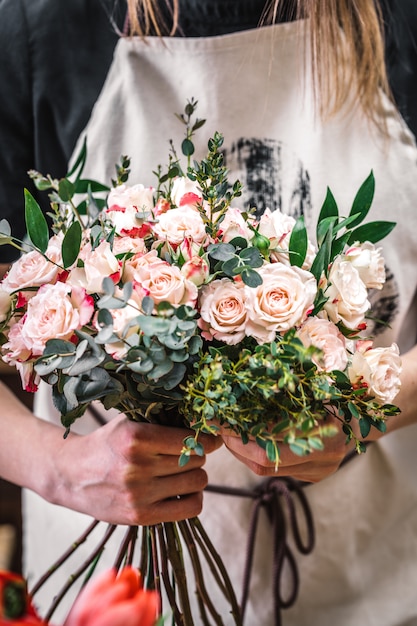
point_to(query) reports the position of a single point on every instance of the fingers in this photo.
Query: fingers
(312, 467)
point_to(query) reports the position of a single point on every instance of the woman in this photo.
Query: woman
(295, 119)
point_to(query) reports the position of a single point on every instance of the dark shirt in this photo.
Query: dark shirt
(55, 55)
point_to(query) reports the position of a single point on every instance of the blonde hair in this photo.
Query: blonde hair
(347, 47)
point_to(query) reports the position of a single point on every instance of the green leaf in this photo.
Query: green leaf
(298, 243)
(328, 209)
(252, 257)
(250, 277)
(221, 251)
(36, 224)
(363, 200)
(323, 256)
(187, 147)
(364, 426)
(71, 244)
(373, 232)
(66, 189)
(84, 184)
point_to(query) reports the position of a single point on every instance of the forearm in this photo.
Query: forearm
(28, 446)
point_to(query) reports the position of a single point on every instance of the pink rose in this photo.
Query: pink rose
(347, 295)
(233, 225)
(197, 270)
(31, 270)
(326, 336)
(136, 269)
(98, 264)
(281, 302)
(129, 206)
(378, 369)
(223, 311)
(113, 599)
(15, 349)
(54, 313)
(369, 262)
(122, 245)
(165, 283)
(179, 224)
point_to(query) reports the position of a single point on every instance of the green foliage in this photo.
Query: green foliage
(274, 393)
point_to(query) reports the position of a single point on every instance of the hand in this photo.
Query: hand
(128, 473)
(310, 468)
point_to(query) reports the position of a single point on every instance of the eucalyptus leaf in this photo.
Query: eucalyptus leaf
(252, 257)
(36, 225)
(221, 251)
(66, 189)
(153, 326)
(251, 278)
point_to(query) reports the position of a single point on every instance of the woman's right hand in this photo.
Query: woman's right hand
(128, 473)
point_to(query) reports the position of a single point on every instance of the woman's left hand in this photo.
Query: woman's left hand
(311, 468)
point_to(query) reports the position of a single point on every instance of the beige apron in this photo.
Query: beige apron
(250, 87)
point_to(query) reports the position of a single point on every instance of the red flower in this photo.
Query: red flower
(115, 600)
(15, 603)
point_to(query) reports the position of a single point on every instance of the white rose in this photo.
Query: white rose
(369, 262)
(223, 311)
(122, 327)
(326, 336)
(129, 206)
(185, 192)
(100, 263)
(281, 302)
(347, 295)
(277, 227)
(178, 224)
(378, 369)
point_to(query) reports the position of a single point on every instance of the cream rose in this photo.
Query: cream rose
(233, 225)
(281, 302)
(179, 224)
(347, 295)
(326, 336)
(15, 349)
(165, 283)
(378, 369)
(54, 313)
(223, 311)
(369, 262)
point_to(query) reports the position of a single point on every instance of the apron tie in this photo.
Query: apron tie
(276, 495)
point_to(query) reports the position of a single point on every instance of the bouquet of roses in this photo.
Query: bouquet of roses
(173, 306)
